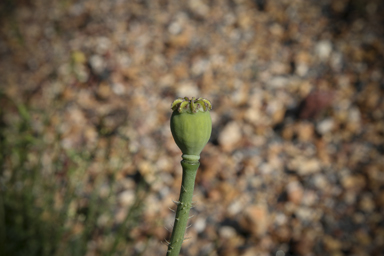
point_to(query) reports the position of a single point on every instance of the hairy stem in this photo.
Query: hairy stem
(183, 206)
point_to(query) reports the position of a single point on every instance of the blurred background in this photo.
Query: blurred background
(295, 163)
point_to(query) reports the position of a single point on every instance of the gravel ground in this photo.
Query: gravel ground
(295, 163)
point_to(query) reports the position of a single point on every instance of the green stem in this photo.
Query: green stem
(183, 206)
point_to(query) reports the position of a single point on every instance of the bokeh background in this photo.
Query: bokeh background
(295, 163)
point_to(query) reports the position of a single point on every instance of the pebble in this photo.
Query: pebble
(305, 166)
(227, 232)
(366, 203)
(323, 50)
(200, 225)
(187, 89)
(230, 136)
(325, 126)
(305, 131)
(295, 192)
(126, 198)
(255, 219)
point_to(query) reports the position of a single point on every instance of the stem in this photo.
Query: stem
(2, 223)
(183, 206)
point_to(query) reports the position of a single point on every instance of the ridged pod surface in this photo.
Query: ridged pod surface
(191, 125)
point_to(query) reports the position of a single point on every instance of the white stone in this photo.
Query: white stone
(227, 232)
(127, 197)
(230, 135)
(200, 225)
(187, 89)
(323, 49)
(97, 63)
(278, 82)
(325, 126)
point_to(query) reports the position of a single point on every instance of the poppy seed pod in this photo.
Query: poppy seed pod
(191, 125)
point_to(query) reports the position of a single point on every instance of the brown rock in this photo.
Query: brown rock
(304, 246)
(332, 244)
(255, 219)
(315, 103)
(353, 182)
(230, 136)
(295, 192)
(305, 131)
(366, 203)
(305, 166)
(288, 132)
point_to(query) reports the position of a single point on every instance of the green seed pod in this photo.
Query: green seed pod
(191, 125)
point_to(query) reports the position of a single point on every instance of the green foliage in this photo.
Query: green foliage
(55, 209)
